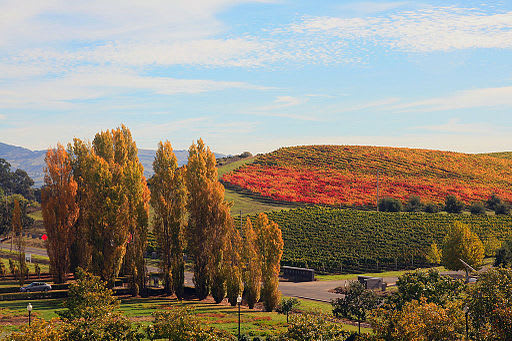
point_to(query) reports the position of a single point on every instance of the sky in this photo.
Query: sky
(256, 75)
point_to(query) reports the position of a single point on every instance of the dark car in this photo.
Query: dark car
(36, 286)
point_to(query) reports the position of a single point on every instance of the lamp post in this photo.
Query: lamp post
(466, 312)
(29, 309)
(239, 301)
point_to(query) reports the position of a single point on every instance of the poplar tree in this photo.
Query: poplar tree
(234, 283)
(60, 210)
(168, 198)
(209, 222)
(461, 243)
(19, 243)
(252, 265)
(270, 248)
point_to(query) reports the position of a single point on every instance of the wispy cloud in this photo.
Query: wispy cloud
(421, 30)
(372, 7)
(455, 126)
(475, 98)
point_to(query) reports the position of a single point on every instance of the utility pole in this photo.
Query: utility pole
(241, 222)
(378, 171)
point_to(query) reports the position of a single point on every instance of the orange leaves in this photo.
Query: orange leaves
(346, 175)
(60, 210)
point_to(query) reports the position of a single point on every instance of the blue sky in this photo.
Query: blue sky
(258, 75)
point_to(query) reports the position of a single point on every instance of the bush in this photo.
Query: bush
(502, 209)
(477, 208)
(390, 205)
(431, 208)
(453, 205)
(493, 202)
(414, 204)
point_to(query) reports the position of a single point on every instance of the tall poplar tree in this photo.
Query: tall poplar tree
(234, 283)
(251, 264)
(19, 242)
(209, 222)
(114, 202)
(270, 247)
(60, 210)
(168, 198)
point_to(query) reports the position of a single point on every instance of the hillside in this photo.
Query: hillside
(344, 240)
(347, 175)
(33, 161)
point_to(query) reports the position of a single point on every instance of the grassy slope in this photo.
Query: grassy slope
(243, 202)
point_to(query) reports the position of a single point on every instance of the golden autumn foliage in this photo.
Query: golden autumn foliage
(270, 248)
(168, 198)
(462, 243)
(114, 205)
(60, 210)
(209, 222)
(252, 264)
(419, 320)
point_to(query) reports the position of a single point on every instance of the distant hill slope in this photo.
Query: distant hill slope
(347, 175)
(501, 155)
(33, 161)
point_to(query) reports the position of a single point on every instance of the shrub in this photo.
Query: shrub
(477, 208)
(414, 204)
(431, 208)
(390, 205)
(502, 209)
(453, 205)
(493, 202)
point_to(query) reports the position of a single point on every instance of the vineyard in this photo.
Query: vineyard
(336, 240)
(347, 175)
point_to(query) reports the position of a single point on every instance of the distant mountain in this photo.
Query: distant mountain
(32, 161)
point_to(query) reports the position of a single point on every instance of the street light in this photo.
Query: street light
(239, 301)
(466, 312)
(29, 308)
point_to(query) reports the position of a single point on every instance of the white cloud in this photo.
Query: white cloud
(423, 30)
(455, 126)
(486, 97)
(94, 83)
(371, 7)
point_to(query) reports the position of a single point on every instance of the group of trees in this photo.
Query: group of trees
(224, 258)
(17, 182)
(95, 205)
(451, 205)
(429, 306)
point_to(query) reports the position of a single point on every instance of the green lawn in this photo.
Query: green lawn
(373, 274)
(220, 316)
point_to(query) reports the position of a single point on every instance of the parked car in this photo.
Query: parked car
(36, 286)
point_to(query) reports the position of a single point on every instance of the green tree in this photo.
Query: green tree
(433, 255)
(430, 285)
(168, 198)
(390, 205)
(453, 205)
(356, 303)
(493, 202)
(431, 208)
(477, 208)
(287, 306)
(462, 243)
(489, 305)
(504, 254)
(414, 204)
(89, 298)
